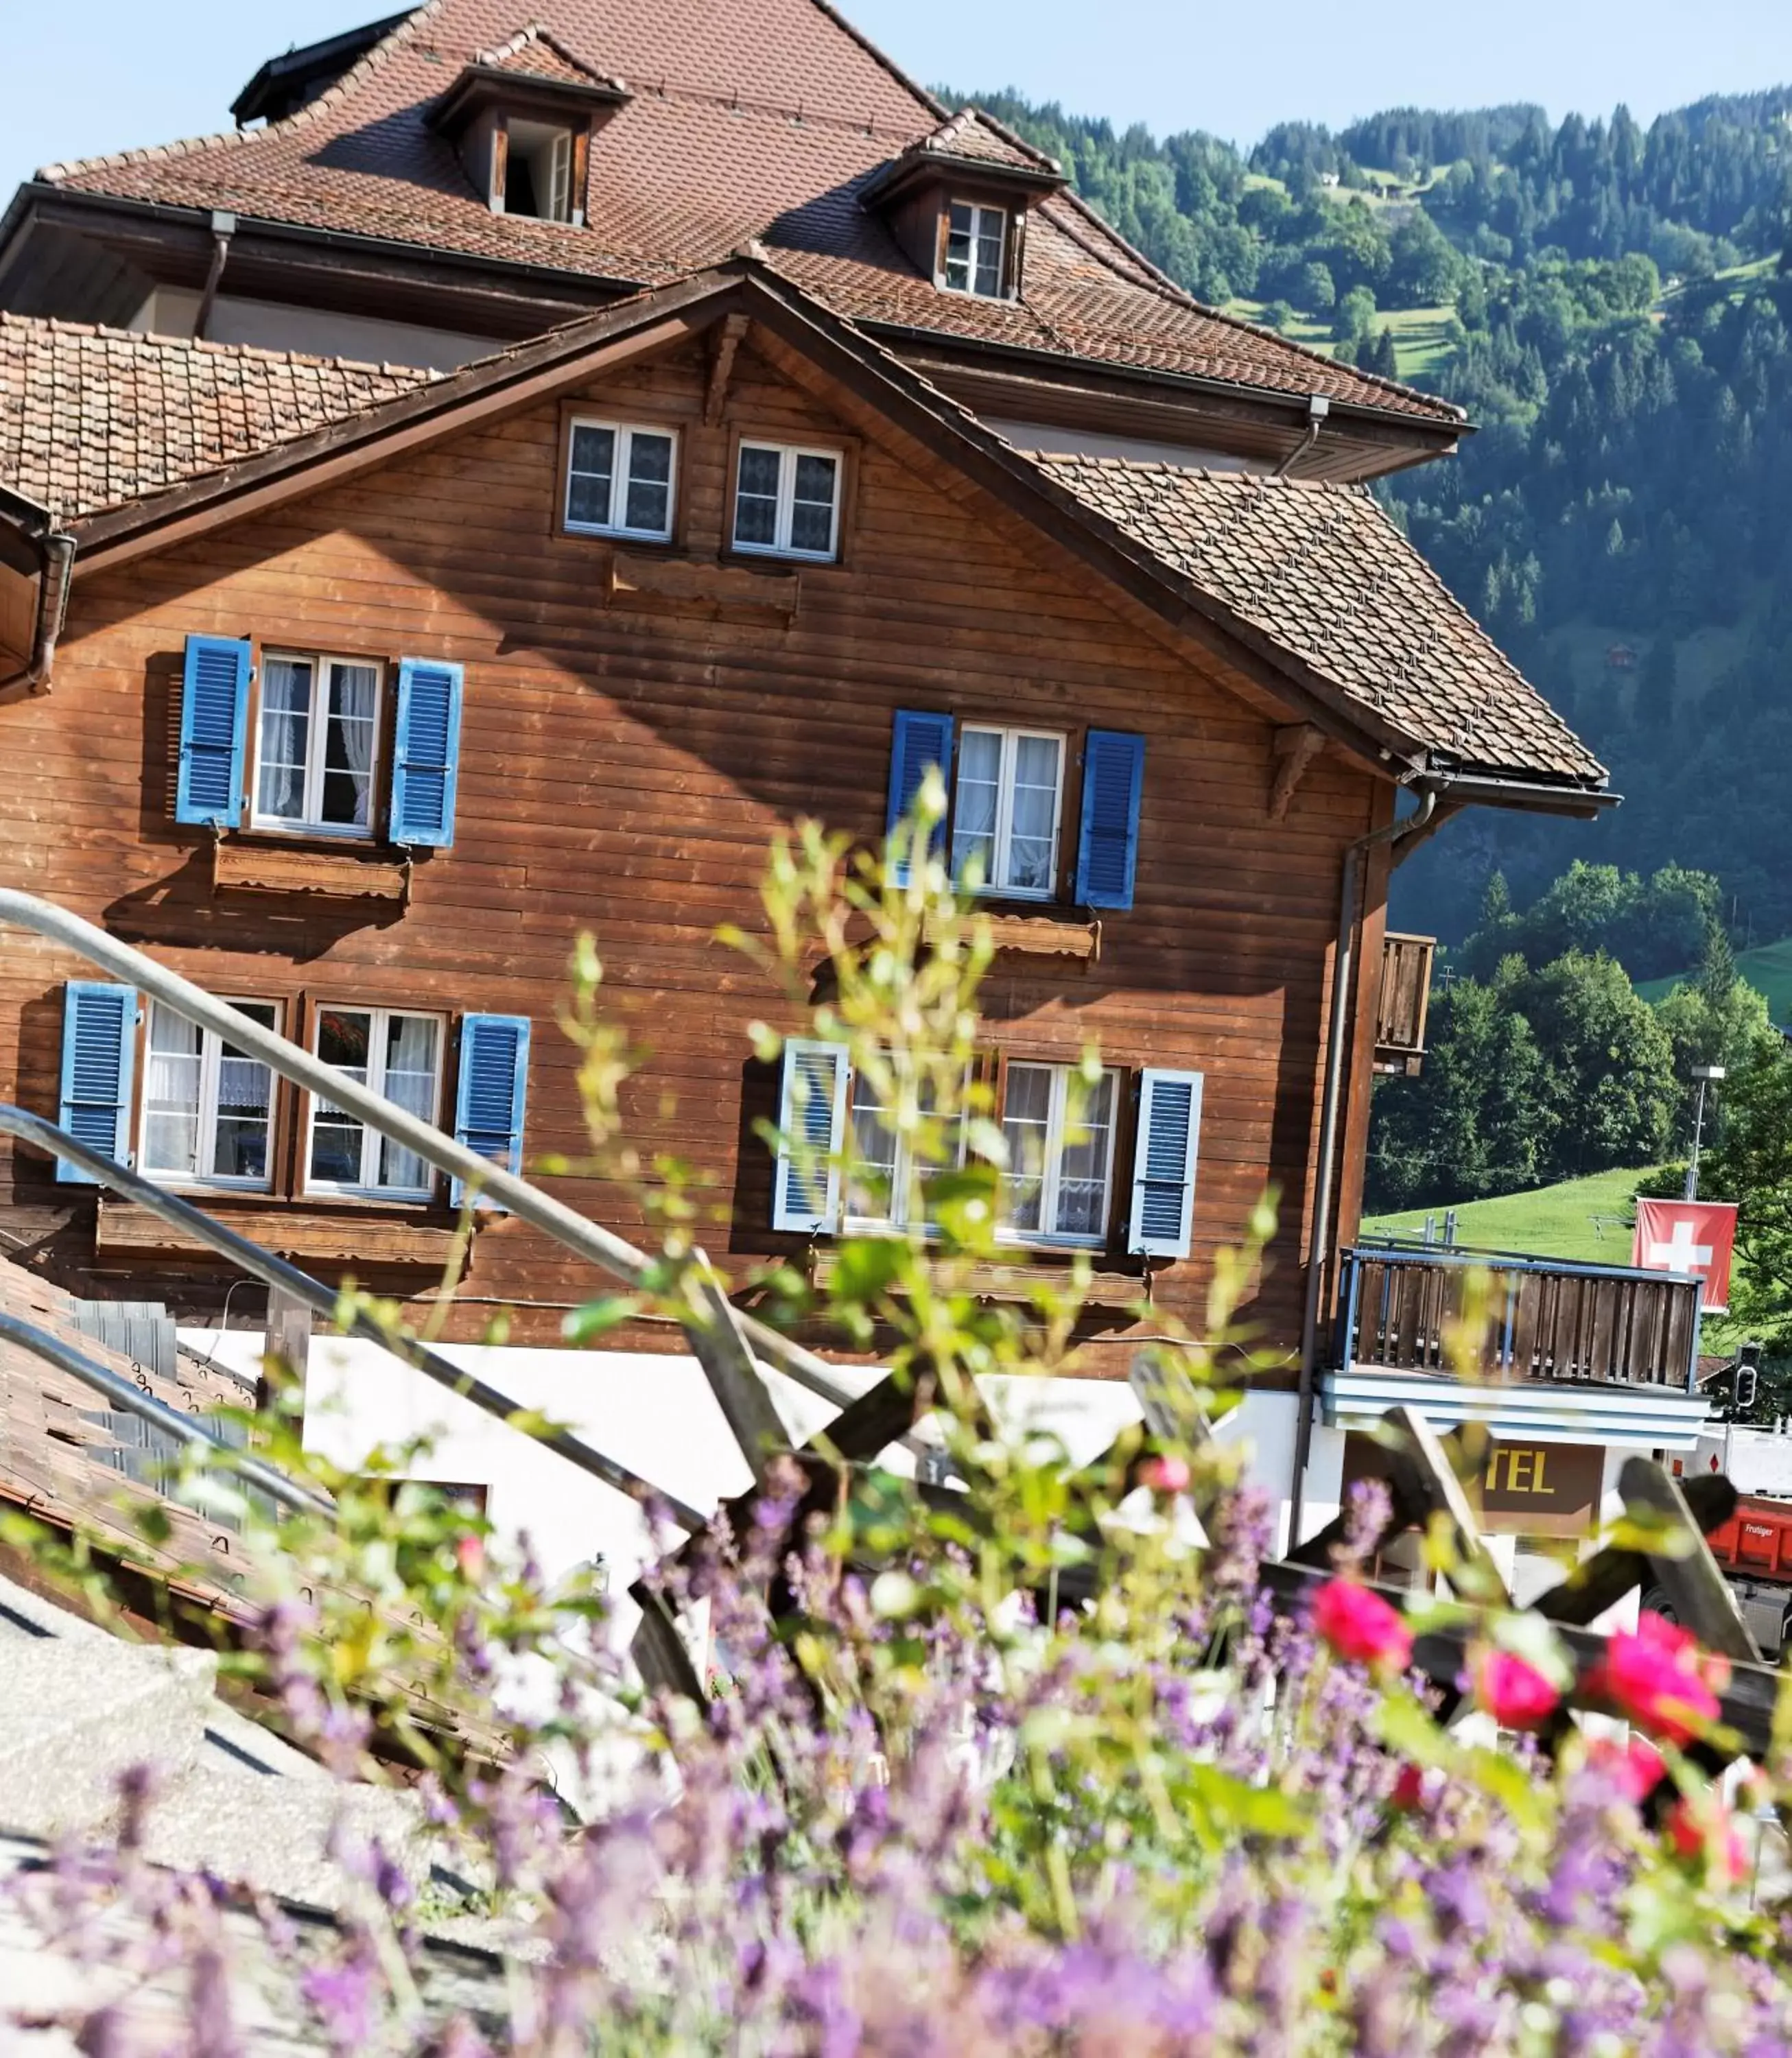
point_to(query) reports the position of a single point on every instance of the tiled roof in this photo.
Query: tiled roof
(93, 417)
(1323, 573)
(980, 138)
(533, 53)
(762, 119)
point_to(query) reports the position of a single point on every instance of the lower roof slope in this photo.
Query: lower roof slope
(91, 417)
(1322, 570)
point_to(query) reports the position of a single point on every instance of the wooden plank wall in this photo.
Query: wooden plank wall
(625, 771)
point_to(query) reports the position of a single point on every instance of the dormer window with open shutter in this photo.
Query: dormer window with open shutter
(522, 117)
(976, 249)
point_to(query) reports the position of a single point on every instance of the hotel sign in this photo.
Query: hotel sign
(1525, 1489)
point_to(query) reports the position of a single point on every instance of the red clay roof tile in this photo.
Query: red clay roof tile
(91, 417)
(1322, 572)
(748, 120)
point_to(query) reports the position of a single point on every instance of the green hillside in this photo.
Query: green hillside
(1588, 1220)
(1611, 306)
(1767, 968)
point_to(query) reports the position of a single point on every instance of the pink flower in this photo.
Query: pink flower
(1635, 1768)
(1165, 1474)
(1408, 1789)
(1660, 1678)
(1706, 1831)
(470, 1555)
(1360, 1625)
(1515, 1693)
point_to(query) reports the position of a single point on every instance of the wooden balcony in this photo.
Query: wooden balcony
(1405, 996)
(1488, 1317)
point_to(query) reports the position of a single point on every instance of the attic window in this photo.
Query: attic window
(976, 243)
(537, 171)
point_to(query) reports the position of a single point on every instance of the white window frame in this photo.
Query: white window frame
(781, 545)
(210, 1057)
(1051, 1170)
(902, 1179)
(625, 433)
(379, 1018)
(992, 888)
(317, 746)
(979, 210)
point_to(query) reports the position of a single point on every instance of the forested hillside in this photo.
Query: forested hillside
(1612, 304)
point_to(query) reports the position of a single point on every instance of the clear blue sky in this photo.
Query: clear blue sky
(83, 76)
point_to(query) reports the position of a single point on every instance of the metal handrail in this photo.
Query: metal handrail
(1500, 1260)
(599, 1246)
(121, 1393)
(275, 1272)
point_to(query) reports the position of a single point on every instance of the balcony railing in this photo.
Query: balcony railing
(1401, 1006)
(1490, 1317)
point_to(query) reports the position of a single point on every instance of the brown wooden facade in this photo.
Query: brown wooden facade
(639, 721)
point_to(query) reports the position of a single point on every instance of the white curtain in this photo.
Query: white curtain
(356, 689)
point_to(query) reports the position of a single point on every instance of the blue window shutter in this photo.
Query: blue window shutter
(1107, 856)
(1163, 1163)
(99, 1053)
(921, 739)
(494, 1086)
(426, 753)
(812, 1113)
(214, 720)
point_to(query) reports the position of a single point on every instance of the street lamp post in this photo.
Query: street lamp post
(1705, 1074)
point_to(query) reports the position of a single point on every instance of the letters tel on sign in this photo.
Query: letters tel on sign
(1523, 1489)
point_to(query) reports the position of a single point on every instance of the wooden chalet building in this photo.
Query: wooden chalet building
(550, 448)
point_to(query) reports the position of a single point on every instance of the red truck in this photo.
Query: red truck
(1754, 1548)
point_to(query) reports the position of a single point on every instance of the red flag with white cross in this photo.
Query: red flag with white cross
(1696, 1237)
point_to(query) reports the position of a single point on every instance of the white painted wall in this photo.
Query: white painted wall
(1049, 436)
(312, 332)
(655, 1415)
(1757, 1460)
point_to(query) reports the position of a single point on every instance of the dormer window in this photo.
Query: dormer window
(522, 117)
(958, 202)
(535, 171)
(976, 249)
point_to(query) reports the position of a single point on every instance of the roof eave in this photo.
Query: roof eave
(915, 167)
(482, 86)
(1444, 429)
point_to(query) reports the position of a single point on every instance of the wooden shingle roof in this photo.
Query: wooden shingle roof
(1321, 571)
(92, 418)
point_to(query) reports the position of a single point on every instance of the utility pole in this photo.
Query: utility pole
(1705, 1074)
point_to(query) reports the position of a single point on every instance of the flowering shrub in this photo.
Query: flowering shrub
(1014, 1771)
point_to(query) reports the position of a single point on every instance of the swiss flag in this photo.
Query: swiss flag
(1696, 1237)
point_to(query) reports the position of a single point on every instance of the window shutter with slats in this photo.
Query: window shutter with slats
(920, 739)
(99, 1051)
(214, 720)
(812, 1112)
(1163, 1163)
(1107, 856)
(426, 754)
(494, 1086)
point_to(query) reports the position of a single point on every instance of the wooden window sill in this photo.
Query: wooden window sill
(1042, 934)
(355, 1236)
(298, 867)
(1016, 1282)
(688, 586)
